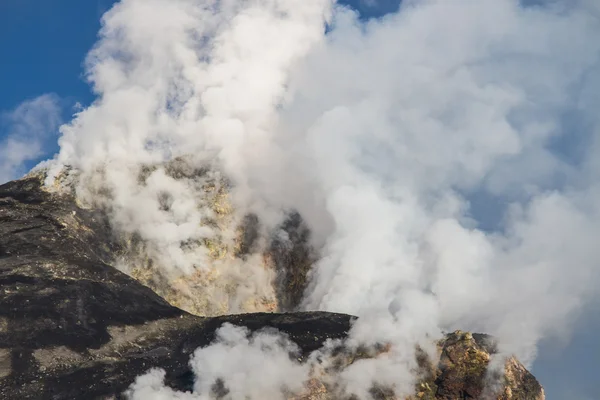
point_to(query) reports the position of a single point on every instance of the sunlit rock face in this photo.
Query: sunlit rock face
(230, 263)
(462, 367)
(466, 370)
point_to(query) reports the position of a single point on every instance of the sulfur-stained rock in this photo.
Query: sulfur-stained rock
(463, 372)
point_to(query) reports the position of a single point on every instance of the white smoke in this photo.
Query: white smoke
(380, 134)
(258, 366)
(184, 78)
(267, 365)
(404, 118)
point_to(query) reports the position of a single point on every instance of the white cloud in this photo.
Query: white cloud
(29, 128)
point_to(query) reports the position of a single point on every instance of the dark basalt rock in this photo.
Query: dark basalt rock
(292, 256)
(74, 327)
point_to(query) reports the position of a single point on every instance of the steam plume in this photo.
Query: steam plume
(381, 135)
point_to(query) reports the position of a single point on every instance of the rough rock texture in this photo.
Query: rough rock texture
(462, 372)
(73, 327)
(292, 257)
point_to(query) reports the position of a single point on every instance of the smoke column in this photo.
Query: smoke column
(382, 135)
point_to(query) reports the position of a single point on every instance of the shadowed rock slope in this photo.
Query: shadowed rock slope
(73, 327)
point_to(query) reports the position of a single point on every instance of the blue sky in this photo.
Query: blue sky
(42, 47)
(46, 43)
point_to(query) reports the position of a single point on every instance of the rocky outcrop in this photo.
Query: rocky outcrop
(74, 327)
(463, 371)
(462, 368)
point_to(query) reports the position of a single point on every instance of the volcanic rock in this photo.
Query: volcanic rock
(74, 327)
